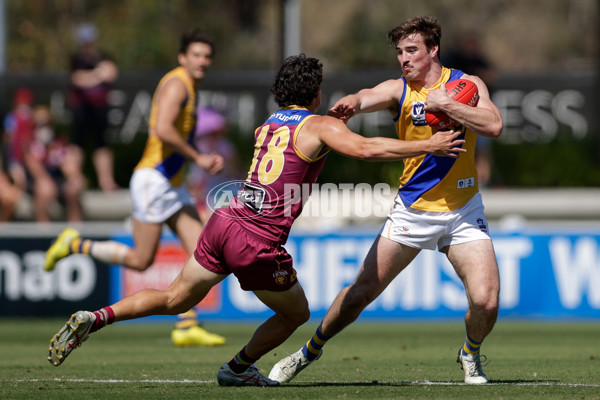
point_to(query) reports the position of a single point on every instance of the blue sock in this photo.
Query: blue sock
(312, 348)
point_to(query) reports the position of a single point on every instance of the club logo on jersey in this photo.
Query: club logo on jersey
(252, 196)
(417, 113)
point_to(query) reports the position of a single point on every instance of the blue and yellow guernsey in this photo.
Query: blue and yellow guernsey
(432, 183)
(159, 155)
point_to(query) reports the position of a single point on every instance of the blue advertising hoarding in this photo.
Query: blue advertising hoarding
(545, 274)
(26, 290)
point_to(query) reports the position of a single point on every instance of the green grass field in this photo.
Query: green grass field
(366, 361)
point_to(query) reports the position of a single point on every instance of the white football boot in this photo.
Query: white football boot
(287, 368)
(71, 336)
(471, 365)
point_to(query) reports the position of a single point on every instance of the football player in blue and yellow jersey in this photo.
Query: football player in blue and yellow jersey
(438, 203)
(158, 193)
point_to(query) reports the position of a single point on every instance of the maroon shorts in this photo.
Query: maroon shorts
(224, 247)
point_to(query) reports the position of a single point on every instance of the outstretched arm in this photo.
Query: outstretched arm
(386, 95)
(333, 133)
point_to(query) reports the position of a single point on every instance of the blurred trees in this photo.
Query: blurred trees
(140, 34)
(518, 35)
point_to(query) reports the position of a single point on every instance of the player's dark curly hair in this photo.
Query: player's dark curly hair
(298, 81)
(195, 36)
(429, 28)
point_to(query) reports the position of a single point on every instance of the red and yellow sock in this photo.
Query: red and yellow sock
(104, 316)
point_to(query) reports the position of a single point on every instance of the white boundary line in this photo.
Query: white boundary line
(417, 383)
(540, 383)
(113, 380)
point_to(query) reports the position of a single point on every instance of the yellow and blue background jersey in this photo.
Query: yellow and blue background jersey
(157, 154)
(432, 183)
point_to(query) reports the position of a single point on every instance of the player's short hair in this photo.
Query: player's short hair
(429, 28)
(298, 81)
(195, 36)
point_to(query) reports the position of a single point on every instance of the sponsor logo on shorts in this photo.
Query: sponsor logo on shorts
(482, 225)
(403, 231)
(281, 277)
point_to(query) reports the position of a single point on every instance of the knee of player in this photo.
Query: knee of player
(488, 304)
(299, 316)
(304, 316)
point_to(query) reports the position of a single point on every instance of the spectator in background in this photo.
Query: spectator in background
(209, 136)
(92, 73)
(54, 167)
(18, 134)
(469, 58)
(9, 192)
(38, 162)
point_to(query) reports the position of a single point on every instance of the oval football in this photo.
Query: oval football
(460, 90)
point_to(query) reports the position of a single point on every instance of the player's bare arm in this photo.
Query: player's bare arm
(384, 96)
(334, 134)
(484, 119)
(170, 98)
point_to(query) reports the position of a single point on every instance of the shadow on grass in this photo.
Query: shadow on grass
(519, 382)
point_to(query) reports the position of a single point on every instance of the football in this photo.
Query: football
(460, 90)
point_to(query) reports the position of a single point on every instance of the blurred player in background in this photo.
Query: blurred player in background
(247, 238)
(438, 203)
(158, 193)
(92, 74)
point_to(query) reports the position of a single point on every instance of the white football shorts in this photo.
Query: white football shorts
(426, 230)
(153, 197)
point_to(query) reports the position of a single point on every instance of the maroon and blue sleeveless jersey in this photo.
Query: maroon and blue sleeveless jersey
(280, 177)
